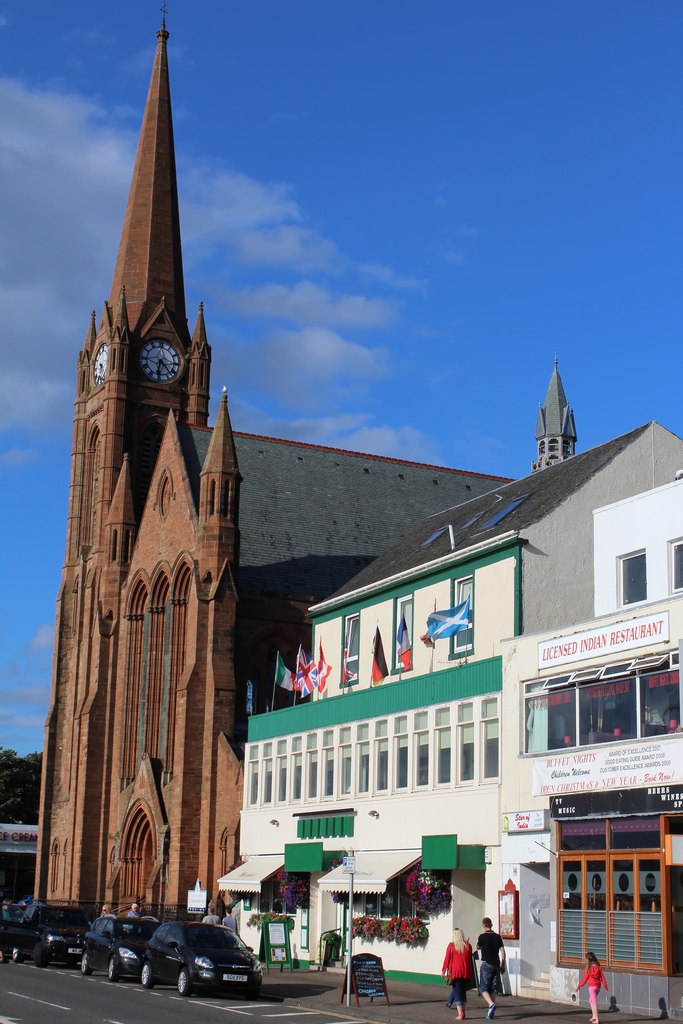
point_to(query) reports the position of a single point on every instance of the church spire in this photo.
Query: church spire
(555, 429)
(149, 261)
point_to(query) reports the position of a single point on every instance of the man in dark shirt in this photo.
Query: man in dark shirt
(492, 953)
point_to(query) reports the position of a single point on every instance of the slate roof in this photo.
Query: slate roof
(312, 517)
(511, 507)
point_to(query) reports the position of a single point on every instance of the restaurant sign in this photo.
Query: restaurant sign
(18, 838)
(622, 767)
(525, 821)
(598, 643)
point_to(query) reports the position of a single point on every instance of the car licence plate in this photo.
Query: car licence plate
(234, 977)
(76, 950)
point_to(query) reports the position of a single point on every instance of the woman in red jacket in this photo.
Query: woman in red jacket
(457, 969)
(595, 978)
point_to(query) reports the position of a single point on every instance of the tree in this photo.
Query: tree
(19, 787)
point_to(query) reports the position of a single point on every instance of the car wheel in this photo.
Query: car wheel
(184, 982)
(112, 970)
(146, 976)
(85, 963)
(40, 957)
(17, 955)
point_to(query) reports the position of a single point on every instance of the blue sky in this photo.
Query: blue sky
(395, 213)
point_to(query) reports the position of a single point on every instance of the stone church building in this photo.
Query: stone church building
(192, 556)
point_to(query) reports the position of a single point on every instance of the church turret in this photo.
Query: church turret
(555, 429)
(219, 494)
(199, 368)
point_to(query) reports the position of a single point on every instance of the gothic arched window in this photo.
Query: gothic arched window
(181, 594)
(149, 450)
(90, 489)
(136, 637)
(155, 666)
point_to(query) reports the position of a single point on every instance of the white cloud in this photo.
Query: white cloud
(296, 365)
(42, 639)
(307, 303)
(389, 277)
(17, 457)
(289, 245)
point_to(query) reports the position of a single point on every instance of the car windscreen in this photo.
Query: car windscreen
(200, 937)
(66, 917)
(12, 913)
(135, 929)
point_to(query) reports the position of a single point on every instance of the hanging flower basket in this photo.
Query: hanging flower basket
(258, 920)
(294, 888)
(430, 891)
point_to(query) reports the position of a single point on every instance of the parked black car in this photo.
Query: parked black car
(203, 955)
(17, 936)
(116, 945)
(58, 933)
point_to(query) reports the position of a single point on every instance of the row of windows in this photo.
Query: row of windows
(395, 901)
(617, 703)
(461, 591)
(430, 748)
(633, 574)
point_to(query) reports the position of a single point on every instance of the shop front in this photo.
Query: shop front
(18, 844)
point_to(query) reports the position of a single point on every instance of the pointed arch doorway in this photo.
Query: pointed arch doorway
(137, 858)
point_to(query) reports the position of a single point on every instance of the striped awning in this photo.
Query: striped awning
(373, 871)
(248, 876)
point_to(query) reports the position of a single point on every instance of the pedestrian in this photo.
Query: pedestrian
(212, 917)
(457, 971)
(229, 920)
(104, 912)
(595, 978)
(134, 911)
(492, 953)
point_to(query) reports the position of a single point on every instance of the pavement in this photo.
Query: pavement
(413, 1003)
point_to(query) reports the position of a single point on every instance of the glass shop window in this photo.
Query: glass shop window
(660, 703)
(550, 718)
(383, 904)
(607, 711)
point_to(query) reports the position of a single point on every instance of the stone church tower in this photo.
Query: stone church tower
(141, 787)
(555, 429)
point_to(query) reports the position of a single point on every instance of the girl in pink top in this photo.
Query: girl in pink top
(595, 978)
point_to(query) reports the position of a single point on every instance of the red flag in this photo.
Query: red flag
(323, 670)
(379, 664)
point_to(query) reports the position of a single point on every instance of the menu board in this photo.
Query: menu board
(367, 977)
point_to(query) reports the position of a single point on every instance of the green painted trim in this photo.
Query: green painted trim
(460, 682)
(422, 577)
(519, 624)
(471, 858)
(304, 857)
(440, 853)
(422, 979)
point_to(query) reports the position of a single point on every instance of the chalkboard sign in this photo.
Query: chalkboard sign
(367, 977)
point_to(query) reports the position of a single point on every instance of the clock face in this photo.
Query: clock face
(99, 370)
(159, 360)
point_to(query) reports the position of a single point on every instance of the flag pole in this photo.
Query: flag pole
(272, 703)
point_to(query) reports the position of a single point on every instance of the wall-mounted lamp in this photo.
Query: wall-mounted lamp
(373, 814)
(274, 821)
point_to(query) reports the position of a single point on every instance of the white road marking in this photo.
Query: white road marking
(56, 1006)
(292, 1013)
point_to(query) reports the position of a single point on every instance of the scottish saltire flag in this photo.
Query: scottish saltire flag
(426, 638)
(306, 674)
(323, 670)
(283, 677)
(444, 624)
(403, 651)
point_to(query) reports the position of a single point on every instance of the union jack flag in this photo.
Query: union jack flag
(306, 674)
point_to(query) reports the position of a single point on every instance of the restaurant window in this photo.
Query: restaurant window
(282, 771)
(489, 737)
(607, 711)
(633, 578)
(550, 717)
(267, 773)
(463, 590)
(345, 761)
(421, 725)
(363, 755)
(610, 873)
(443, 746)
(297, 768)
(401, 752)
(381, 757)
(384, 904)
(350, 667)
(328, 763)
(270, 899)
(660, 703)
(253, 775)
(466, 742)
(312, 766)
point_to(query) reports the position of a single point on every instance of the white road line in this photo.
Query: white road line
(292, 1013)
(56, 1006)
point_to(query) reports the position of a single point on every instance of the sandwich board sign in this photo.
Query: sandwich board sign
(196, 899)
(276, 945)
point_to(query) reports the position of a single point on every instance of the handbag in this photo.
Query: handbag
(447, 978)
